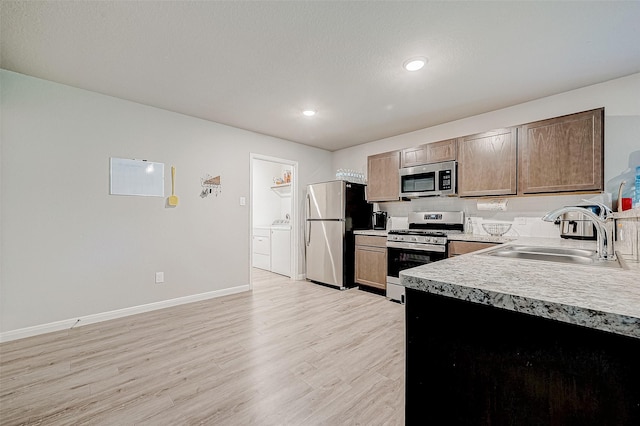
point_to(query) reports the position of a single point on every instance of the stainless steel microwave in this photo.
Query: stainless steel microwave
(428, 180)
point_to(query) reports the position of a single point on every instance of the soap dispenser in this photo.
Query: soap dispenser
(468, 227)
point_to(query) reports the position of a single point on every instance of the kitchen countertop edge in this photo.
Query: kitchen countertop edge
(580, 295)
(450, 237)
(372, 232)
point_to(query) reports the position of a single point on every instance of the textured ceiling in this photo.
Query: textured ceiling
(257, 65)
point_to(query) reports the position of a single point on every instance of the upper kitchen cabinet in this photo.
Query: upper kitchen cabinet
(487, 163)
(435, 152)
(562, 154)
(383, 178)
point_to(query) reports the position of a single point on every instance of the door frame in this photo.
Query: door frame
(295, 213)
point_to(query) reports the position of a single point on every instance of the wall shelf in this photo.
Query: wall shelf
(283, 190)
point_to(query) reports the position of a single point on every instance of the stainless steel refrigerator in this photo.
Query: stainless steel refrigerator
(333, 211)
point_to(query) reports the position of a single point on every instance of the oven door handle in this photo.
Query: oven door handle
(417, 247)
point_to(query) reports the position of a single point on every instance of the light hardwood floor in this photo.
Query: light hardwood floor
(287, 353)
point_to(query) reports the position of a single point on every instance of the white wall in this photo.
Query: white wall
(69, 249)
(620, 98)
(267, 205)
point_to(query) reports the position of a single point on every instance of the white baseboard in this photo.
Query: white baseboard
(119, 313)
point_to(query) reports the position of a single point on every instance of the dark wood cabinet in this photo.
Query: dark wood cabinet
(383, 177)
(487, 163)
(435, 152)
(562, 154)
(473, 364)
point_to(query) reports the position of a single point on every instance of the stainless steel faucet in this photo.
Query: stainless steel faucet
(604, 227)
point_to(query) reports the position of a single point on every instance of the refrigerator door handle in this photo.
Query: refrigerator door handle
(307, 226)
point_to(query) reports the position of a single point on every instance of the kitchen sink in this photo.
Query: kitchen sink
(554, 251)
(572, 256)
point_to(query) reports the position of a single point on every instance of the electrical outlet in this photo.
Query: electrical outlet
(521, 221)
(159, 277)
(243, 201)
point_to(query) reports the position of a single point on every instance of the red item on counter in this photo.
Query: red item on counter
(626, 204)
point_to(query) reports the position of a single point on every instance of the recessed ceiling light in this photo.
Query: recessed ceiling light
(414, 64)
(309, 112)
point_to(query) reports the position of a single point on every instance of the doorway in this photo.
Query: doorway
(274, 218)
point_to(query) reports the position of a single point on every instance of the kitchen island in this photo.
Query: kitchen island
(507, 341)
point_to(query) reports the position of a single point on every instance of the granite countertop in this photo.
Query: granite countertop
(374, 232)
(600, 298)
(457, 237)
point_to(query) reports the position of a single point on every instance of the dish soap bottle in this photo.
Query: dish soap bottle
(637, 194)
(468, 227)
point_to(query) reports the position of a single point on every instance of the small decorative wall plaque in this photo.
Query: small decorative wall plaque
(210, 185)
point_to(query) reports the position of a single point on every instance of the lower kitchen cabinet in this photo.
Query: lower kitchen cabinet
(456, 248)
(371, 261)
(474, 364)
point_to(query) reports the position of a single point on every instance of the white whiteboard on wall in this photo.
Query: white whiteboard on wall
(137, 177)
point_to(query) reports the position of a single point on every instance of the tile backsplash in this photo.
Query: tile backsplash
(525, 215)
(521, 226)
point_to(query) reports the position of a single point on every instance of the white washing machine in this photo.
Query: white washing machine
(281, 248)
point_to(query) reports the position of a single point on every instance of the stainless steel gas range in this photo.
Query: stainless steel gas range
(425, 241)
